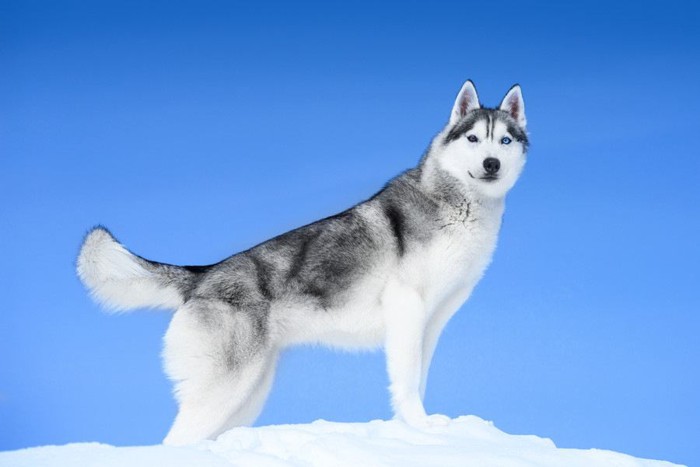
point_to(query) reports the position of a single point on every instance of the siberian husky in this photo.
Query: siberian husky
(388, 272)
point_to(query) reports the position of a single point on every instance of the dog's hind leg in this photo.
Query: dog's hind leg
(217, 355)
(250, 410)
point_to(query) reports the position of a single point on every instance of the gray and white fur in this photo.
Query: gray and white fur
(388, 272)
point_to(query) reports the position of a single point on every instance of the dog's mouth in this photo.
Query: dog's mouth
(486, 178)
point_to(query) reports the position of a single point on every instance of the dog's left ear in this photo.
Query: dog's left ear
(514, 105)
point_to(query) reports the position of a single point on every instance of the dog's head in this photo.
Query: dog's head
(484, 148)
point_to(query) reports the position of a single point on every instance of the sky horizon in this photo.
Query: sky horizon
(193, 131)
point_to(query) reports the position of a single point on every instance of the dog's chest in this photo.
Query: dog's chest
(455, 257)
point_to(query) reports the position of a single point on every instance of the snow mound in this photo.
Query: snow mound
(466, 441)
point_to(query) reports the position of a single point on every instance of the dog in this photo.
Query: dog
(388, 272)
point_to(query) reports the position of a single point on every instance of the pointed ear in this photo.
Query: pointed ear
(514, 105)
(466, 101)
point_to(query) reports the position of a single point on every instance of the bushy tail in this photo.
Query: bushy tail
(121, 280)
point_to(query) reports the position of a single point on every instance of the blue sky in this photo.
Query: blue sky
(197, 129)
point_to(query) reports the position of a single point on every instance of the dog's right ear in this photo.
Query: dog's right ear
(467, 100)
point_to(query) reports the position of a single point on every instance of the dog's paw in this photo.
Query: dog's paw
(437, 419)
(428, 421)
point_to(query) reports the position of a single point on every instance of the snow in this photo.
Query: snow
(466, 441)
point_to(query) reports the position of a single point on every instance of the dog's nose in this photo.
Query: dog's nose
(491, 165)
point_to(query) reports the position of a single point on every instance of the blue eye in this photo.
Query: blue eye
(472, 139)
(506, 140)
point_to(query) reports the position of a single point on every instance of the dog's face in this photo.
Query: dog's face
(485, 148)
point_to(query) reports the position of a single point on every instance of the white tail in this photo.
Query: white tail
(121, 280)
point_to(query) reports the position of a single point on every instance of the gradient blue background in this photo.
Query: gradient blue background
(194, 130)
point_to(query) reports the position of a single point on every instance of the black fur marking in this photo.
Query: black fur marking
(514, 129)
(466, 124)
(232, 293)
(322, 296)
(299, 258)
(397, 223)
(264, 276)
(197, 269)
(320, 260)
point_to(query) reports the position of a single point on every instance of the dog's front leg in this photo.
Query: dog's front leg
(405, 315)
(436, 323)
